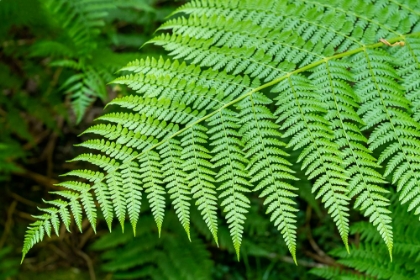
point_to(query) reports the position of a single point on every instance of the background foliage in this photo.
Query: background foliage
(55, 60)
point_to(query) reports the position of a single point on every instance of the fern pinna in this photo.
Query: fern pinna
(369, 259)
(246, 81)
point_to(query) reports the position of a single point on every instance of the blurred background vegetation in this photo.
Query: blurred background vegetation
(56, 58)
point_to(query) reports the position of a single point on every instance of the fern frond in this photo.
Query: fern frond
(79, 24)
(63, 212)
(200, 176)
(409, 70)
(267, 166)
(175, 178)
(385, 106)
(81, 19)
(122, 135)
(300, 110)
(273, 29)
(108, 164)
(115, 151)
(142, 124)
(237, 59)
(160, 109)
(237, 30)
(370, 260)
(332, 83)
(86, 199)
(50, 219)
(323, 63)
(150, 173)
(229, 159)
(131, 177)
(34, 235)
(103, 196)
(89, 175)
(116, 191)
(186, 84)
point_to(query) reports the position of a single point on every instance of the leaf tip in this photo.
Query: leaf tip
(293, 252)
(216, 240)
(390, 251)
(346, 244)
(188, 234)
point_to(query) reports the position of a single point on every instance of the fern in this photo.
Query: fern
(77, 46)
(267, 166)
(80, 22)
(200, 176)
(203, 123)
(320, 156)
(145, 256)
(369, 258)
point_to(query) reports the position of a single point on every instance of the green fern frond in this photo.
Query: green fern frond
(332, 83)
(130, 176)
(385, 106)
(81, 19)
(122, 135)
(200, 176)
(409, 69)
(116, 190)
(369, 259)
(84, 88)
(232, 177)
(91, 176)
(342, 92)
(150, 173)
(186, 84)
(85, 198)
(160, 109)
(267, 167)
(175, 178)
(79, 24)
(142, 124)
(108, 164)
(112, 149)
(103, 196)
(61, 207)
(301, 114)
